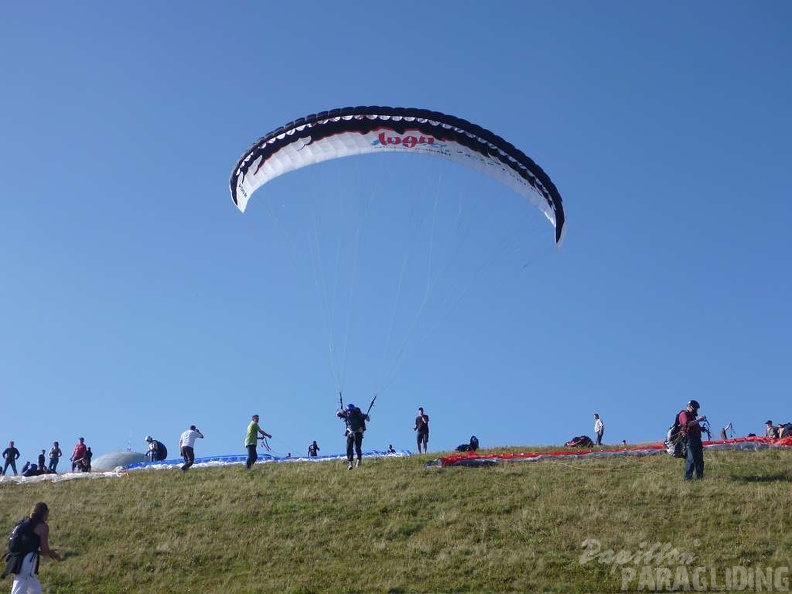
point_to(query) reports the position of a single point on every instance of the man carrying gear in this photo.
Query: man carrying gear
(355, 420)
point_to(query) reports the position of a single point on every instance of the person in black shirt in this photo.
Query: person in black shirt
(422, 428)
(11, 455)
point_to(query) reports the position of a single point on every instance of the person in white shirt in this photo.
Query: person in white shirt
(186, 446)
(599, 428)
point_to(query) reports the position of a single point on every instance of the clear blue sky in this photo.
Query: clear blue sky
(137, 300)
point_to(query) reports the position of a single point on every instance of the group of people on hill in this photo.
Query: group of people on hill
(777, 431)
(355, 426)
(157, 451)
(80, 459)
(355, 421)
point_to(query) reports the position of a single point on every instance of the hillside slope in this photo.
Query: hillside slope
(397, 526)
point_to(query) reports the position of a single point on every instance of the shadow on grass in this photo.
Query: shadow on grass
(768, 478)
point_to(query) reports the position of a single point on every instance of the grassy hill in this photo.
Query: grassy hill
(397, 526)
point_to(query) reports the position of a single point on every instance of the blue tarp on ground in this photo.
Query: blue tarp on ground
(262, 458)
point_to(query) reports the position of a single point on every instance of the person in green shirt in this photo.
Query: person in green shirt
(253, 432)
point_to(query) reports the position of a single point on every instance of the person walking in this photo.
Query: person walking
(24, 565)
(599, 428)
(187, 446)
(691, 432)
(11, 455)
(355, 420)
(422, 428)
(55, 454)
(251, 438)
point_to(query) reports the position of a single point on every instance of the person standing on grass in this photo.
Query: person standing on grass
(422, 428)
(691, 433)
(24, 565)
(187, 446)
(251, 439)
(313, 449)
(599, 428)
(55, 454)
(78, 453)
(11, 455)
(86, 460)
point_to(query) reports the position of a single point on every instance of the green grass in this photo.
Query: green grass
(397, 526)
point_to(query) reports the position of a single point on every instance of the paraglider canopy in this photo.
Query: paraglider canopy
(417, 262)
(113, 460)
(358, 130)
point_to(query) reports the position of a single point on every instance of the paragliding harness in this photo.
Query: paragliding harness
(349, 430)
(581, 441)
(472, 446)
(675, 443)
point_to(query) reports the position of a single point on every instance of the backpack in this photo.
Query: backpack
(675, 444)
(161, 452)
(22, 539)
(471, 446)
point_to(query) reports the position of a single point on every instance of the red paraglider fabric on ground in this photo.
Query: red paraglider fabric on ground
(739, 443)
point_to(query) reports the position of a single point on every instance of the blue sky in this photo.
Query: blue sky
(137, 300)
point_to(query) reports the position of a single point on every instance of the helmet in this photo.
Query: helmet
(148, 438)
(351, 406)
(694, 404)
